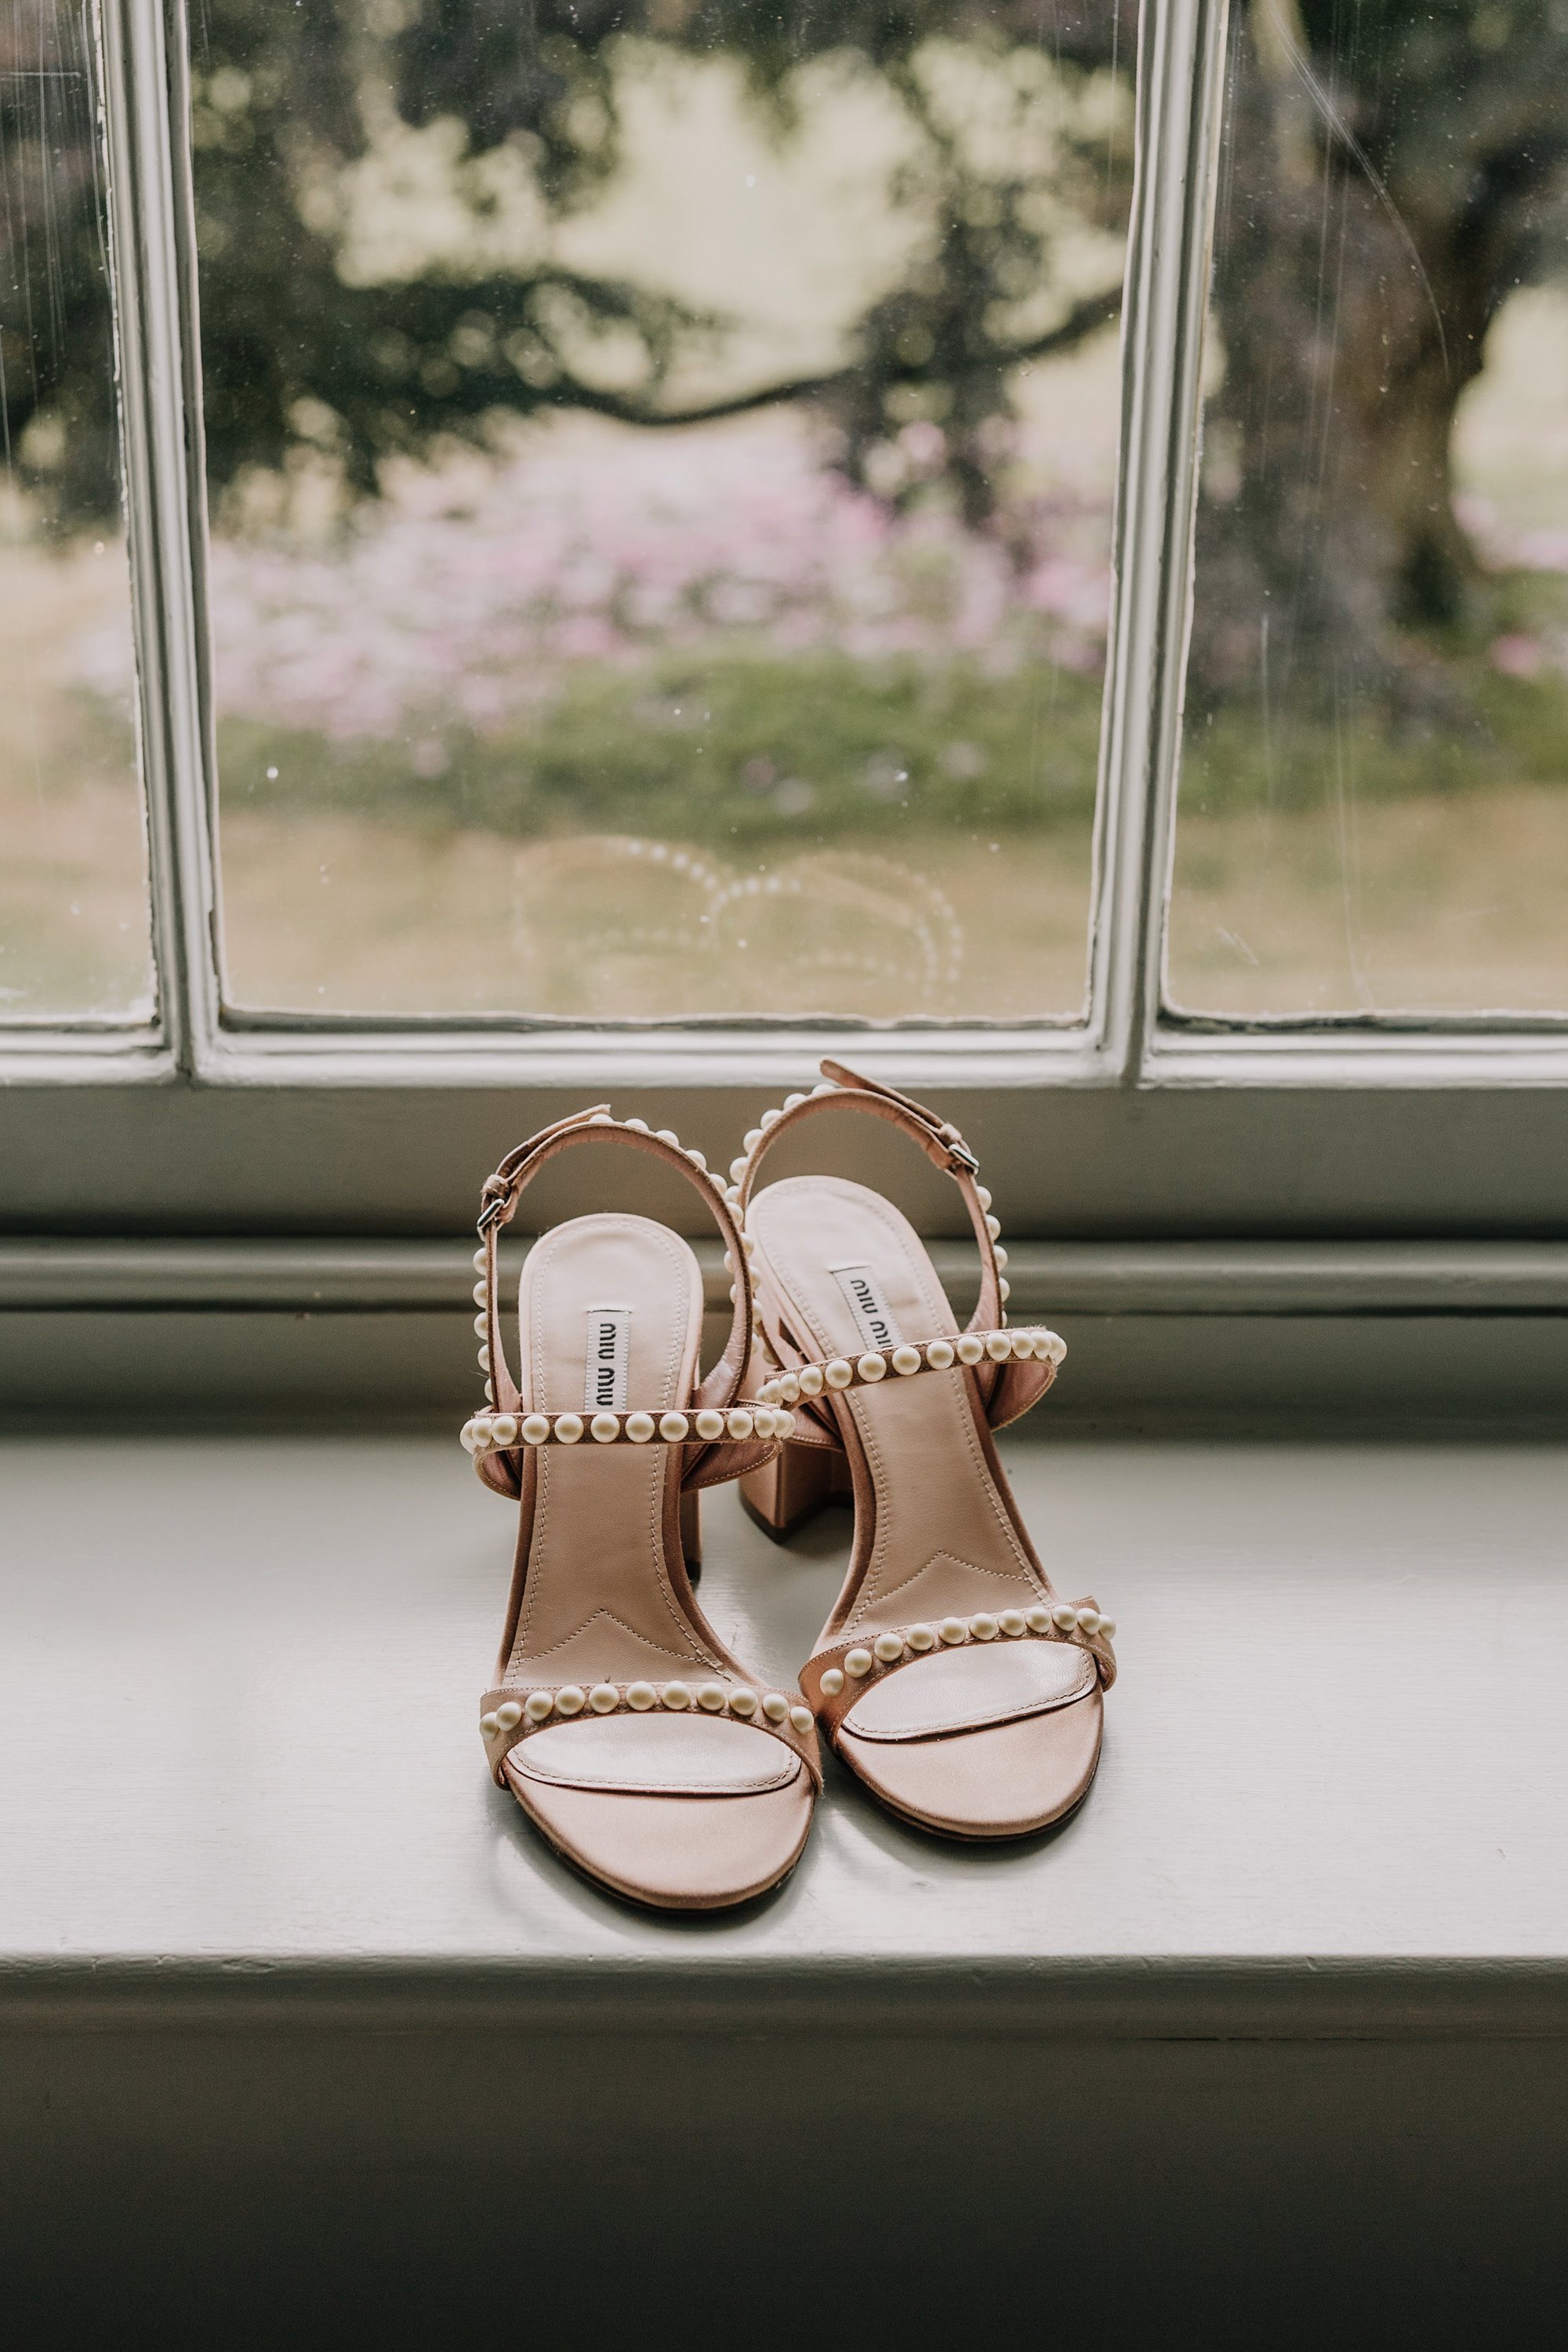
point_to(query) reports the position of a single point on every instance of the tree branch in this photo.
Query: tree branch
(1085, 318)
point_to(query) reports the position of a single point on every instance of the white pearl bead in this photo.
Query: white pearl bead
(484, 1360)
(984, 1626)
(480, 1259)
(1089, 1621)
(482, 1325)
(490, 1725)
(802, 1719)
(469, 1438)
(940, 1354)
(890, 1648)
(858, 1663)
(794, 1102)
(669, 1135)
(1056, 1346)
(828, 1087)
(673, 1427)
(503, 1429)
(1013, 1622)
(508, 1715)
(769, 1393)
(1064, 1616)
(740, 1423)
(675, 1696)
(601, 1118)
(571, 1699)
(994, 1227)
(535, 1428)
(568, 1428)
(737, 1170)
(481, 1293)
(697, 1158)
(711, 1698)
(1107, 1629)
(642, 1695)
(751, 1137)
(1000, 1255)
(639, 1427)
(1003, 1289)
(775, 1707)
(784, 1424)
(922, 1637)
(710, 1425)
(872, 1368)
(481, 1436)
(743, 1703)
(998, 1347)
(761, 1421)
(906, 1359)
(638, 1126)
(1037, 1620)
(604, 1699)
(769, 1118)
(1022, 1345)
(540, 1705)
(489, 1393)
(952, 1631)
(838, 1373)
(788, 1389)
(983, 1196)
(832, 1682)
(734, 1295)
(604, 1428)
(810, 1377)
(970, 1349)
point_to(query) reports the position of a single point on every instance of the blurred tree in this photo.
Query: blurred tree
(1395, 168)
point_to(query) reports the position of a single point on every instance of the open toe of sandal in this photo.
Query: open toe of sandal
(951, 1677)
(636, 1742)
(686, 1815)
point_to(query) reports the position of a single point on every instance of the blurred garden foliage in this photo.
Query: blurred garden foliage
(1395, 170)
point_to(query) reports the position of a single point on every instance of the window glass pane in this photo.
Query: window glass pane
(73, 889)
(529, 700)
(1374, 806)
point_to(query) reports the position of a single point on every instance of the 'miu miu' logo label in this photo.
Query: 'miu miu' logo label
(878, 1324)
(609, 1341)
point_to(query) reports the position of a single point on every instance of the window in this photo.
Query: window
(1031, 535)
(73, 888)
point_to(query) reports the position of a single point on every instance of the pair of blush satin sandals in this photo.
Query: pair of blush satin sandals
(963, 1691)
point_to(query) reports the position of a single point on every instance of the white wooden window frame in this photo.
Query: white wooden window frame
(1358, 1124)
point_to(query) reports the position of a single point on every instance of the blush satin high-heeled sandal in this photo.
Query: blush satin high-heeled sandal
(951, 1677)
(636, 1742)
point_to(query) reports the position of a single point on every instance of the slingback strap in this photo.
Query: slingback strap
(837, 1676)
(1007, 1390)
(508, 1715)
(709, 1460)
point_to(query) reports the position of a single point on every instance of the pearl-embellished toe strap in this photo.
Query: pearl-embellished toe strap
(488, 1433)
(511, 1714)
(837, 1676)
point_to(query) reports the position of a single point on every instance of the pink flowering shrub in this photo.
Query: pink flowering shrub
(464, 600)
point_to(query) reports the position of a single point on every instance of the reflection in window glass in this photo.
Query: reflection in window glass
(73, 890)
(1374, 807)
(662, 465)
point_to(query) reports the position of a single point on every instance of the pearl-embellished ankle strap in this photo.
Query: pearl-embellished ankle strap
(840, 1373)
(500, 1432)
